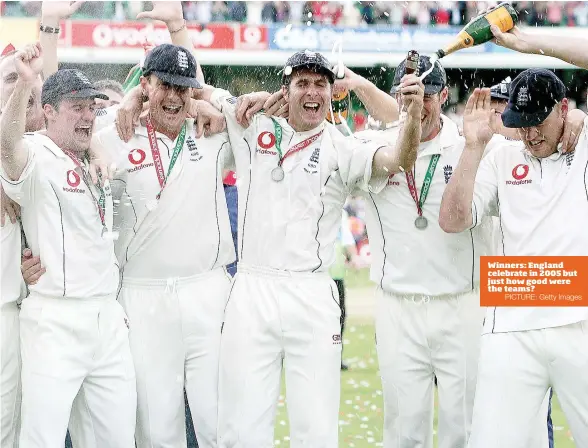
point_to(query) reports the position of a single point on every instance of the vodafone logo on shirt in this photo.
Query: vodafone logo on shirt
(137, 157)
(265, 141)
(519, 173)
(73, 180)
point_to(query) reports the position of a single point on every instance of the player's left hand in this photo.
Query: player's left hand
(209, 120)
(59, 9)
(477, 118)
(166, 11)
(8, 207)
(127, 116)
(31, 267)
(276, 105)
(572, 129)
(248, 105)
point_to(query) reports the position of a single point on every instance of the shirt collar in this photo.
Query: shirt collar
(142, 130)
(42, 139)
(555, 156)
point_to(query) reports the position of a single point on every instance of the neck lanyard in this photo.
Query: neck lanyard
(102, 201)
(294, 149)
(157, 163)
(426, 184)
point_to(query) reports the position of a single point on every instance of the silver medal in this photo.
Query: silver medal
(421, 223)
(278, 174)
(151, 205)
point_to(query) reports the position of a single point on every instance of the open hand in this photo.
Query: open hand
(477, 118)
(248, 105)
(209, 120)
(59, 9)
(168, 12)
(9, 207)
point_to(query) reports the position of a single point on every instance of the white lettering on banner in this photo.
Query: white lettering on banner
(323, 39)
(119, 36)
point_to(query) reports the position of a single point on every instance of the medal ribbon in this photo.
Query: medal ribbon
(426, 184)
(294, 149)
(157, 163)
(101, 201)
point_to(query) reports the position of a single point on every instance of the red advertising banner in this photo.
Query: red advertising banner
(101, 34)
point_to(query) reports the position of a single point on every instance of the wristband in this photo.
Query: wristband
(179, 29)
(48, 29)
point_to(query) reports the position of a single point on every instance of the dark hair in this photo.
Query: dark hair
(110, 84)
(287, 79)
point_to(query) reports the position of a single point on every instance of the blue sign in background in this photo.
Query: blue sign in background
(373, 39)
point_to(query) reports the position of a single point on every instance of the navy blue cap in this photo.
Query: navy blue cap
(533, 95)
(311, 60)
(434, 82)
(173, 65)
(68, 84)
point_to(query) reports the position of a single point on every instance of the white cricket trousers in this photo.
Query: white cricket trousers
(175, 341)
(10, 391)
(276, 318)
(75, 347)
(417, 338)
(515, 372)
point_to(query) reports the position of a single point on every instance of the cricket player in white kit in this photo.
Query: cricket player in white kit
(428, 316)
(12, 291)
(74, 335)
(175, 241)
(531, 185)
(293, 176)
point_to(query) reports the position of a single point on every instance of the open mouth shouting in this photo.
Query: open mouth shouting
(172, 109)
(311, 106)
(83, 131)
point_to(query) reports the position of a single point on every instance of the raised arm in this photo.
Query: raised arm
(172, 15)
(571, 50)
(456, 206)
(52, 13)
(29, 65)
(379, 104)
(403, 155)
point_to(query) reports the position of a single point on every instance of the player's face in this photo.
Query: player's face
(8, 78)
(168, 104)
(73, 121)
(542, 140)
(114, 98)
(309, 98)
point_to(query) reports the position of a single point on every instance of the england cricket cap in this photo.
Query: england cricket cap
(310, 60)
(533, 95)
(434, 82)
(68, 84)
(173, 65)
(500, 91)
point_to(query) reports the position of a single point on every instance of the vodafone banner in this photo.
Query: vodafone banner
(112, 35)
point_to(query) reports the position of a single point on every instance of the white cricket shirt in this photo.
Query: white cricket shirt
(12, 282)
(543, 209)
(407, 260)
(293, 224)
(62, 224)
(189, 232)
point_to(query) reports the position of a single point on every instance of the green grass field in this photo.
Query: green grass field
(361, 412)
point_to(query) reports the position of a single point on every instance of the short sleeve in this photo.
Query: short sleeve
(22, 190)
(355, 157)
(485, 200)
(109, 143)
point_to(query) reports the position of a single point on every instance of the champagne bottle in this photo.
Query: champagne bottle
(412, 63)
(477, 31)
(340, 103)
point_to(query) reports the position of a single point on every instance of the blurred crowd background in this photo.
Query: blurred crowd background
(345, 13)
